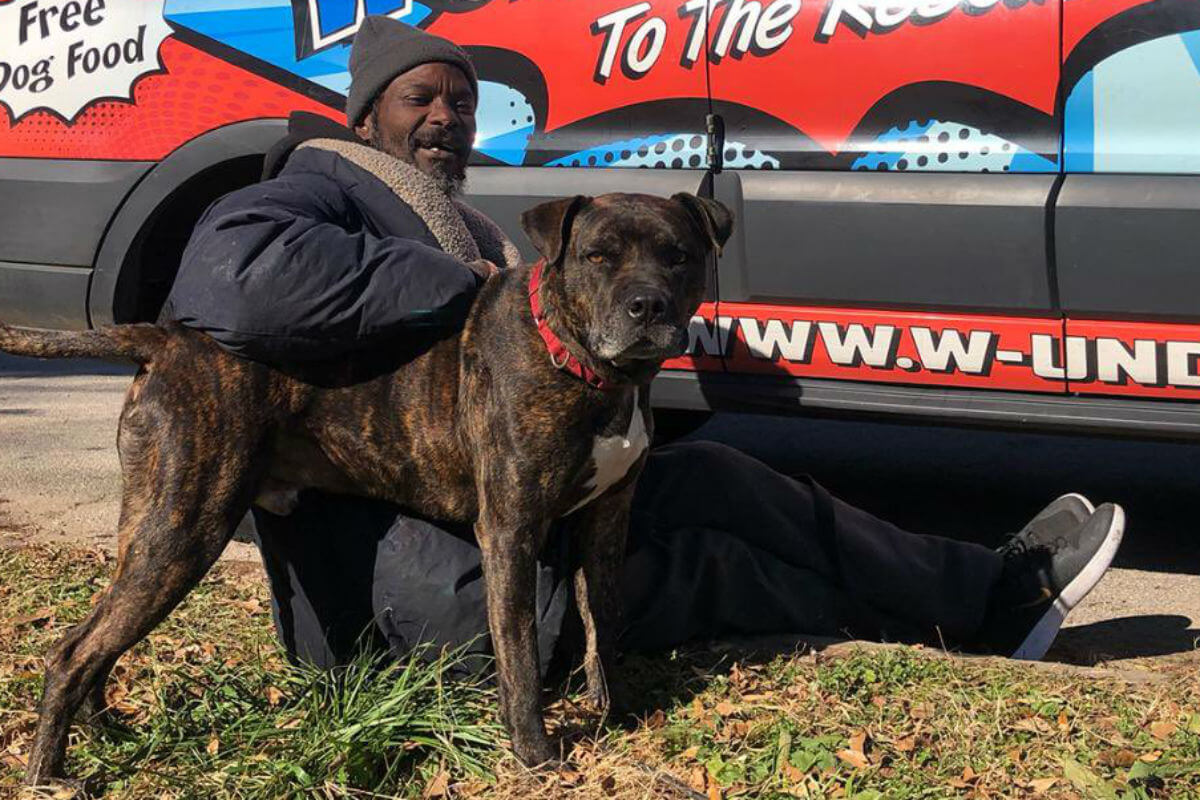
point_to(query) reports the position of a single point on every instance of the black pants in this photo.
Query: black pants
(720, 545)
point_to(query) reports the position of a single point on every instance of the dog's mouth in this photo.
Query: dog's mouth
(648, 350)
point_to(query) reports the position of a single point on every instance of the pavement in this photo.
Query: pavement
(59, 480)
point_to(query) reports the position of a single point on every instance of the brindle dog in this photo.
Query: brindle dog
(484, 427)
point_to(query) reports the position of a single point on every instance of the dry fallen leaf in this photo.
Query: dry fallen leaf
(854, 758)
(1151, 757)
(921, 711)
(656, 720)
(690, 753)
(1042, 785)
(249, 606)
(214, 746)
(725, 708)
(1118, 758)
(1033, 725)
(438, 785)
(1064, 724)
(905, 745)
(1163, 730)
(965, 780)
(274, 696)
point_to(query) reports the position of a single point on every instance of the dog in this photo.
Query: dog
(537, 410)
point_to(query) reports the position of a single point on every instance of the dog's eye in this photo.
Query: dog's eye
(678, 256)
(595, 258)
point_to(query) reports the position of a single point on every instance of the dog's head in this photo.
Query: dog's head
(631, 268)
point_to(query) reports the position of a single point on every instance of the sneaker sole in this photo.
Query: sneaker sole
(1046, 630)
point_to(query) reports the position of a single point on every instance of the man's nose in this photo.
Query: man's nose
(442, 112)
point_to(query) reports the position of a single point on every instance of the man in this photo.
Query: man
(346, 251)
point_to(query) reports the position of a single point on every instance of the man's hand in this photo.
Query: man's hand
(483, 268)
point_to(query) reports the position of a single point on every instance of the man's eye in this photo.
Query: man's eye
(417, 100)
(466, 108)
(595, 258)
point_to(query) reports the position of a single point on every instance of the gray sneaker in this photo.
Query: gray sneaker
(1062, 515)
(1050, 566)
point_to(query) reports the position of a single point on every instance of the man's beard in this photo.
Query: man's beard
(448, 177)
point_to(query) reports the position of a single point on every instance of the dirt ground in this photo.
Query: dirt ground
(59, 480)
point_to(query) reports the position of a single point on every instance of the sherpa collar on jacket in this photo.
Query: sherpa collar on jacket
(459, 229)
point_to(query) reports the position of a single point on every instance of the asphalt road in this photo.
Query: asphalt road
(59, 479)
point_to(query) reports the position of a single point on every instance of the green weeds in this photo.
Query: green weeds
(207, 708)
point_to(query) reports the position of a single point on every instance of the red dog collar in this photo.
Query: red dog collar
(560, 356)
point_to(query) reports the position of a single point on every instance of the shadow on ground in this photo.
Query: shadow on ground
(1126, 637)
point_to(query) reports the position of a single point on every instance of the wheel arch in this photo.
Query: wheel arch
(162, 209)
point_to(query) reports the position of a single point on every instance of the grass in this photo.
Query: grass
(208, 708)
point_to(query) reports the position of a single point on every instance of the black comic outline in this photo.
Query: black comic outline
(302, 24)
(161, 69)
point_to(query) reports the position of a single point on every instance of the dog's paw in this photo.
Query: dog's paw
(538, 754)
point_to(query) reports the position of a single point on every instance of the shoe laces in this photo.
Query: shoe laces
(1020, 548)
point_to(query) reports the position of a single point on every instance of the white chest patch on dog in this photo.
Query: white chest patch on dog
(614, 456)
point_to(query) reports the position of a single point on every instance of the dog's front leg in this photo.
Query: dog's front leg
(510, 549)
(598, 540)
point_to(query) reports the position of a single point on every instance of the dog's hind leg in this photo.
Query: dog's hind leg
(176, 517)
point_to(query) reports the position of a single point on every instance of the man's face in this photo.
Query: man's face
(426, 116)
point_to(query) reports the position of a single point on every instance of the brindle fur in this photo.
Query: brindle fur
(478, 428)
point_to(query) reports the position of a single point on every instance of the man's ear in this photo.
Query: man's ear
(714, 219)
(548, 225)
(366, 129)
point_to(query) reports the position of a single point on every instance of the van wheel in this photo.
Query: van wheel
(674, 423)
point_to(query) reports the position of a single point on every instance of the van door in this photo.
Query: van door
(891, 165)
(1128, 217)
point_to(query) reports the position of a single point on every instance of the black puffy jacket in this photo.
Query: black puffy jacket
(319, 260)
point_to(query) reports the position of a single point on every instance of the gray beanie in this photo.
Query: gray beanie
(384, 48)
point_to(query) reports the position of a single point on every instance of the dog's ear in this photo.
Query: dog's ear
(548, 226)
(714, 219)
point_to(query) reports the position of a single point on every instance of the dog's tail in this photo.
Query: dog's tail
(137, 342)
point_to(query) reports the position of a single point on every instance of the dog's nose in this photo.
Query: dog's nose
(647, 306)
